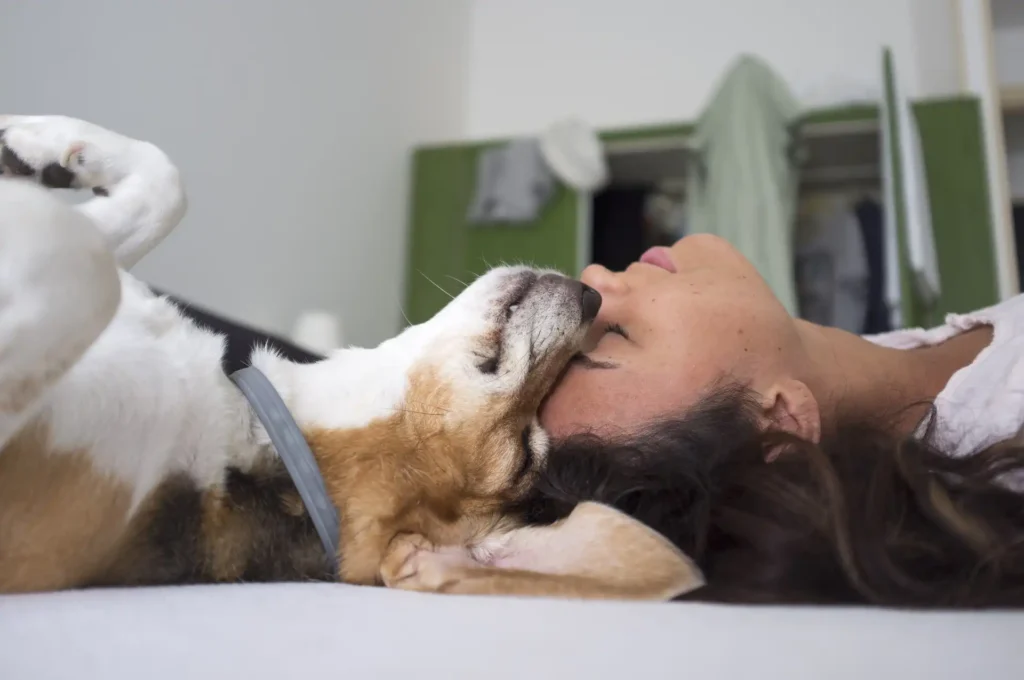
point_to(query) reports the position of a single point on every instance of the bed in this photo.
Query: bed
(329, 630)
(332, 630)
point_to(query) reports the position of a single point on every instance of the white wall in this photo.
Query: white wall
(621, 62)
(1008, 40)
(290, 120)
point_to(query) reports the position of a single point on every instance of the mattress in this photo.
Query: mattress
(327, 630)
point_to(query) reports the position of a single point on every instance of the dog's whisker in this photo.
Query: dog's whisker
(436, 285)
(432, 411)
(458, 280)
(427, 405)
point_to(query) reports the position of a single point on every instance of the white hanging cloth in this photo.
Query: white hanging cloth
(918, 233)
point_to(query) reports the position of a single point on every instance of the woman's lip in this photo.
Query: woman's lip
(658, 257)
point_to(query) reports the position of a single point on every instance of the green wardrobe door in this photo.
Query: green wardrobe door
(952, 146)
(954, 159)
(442, 183)
(444, 249)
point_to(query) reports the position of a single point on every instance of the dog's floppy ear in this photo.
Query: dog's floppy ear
(608, 552)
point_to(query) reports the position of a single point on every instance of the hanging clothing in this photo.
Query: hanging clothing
(832, 271)
(872, 229)
(513, 183)
(742, 183)
(666, 212)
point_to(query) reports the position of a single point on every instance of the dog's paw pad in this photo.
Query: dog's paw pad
(56, 176)
(74, 156)
(84, 164)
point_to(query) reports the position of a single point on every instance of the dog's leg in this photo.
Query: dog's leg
(414, 564)
(59, 288)
(139, 194)
(595, 553)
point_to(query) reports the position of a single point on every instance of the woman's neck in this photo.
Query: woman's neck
(854, 379)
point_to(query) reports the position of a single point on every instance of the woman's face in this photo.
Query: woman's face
(669, 327)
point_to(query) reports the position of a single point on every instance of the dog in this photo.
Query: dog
(128, 457)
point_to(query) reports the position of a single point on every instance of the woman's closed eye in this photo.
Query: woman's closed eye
(584, 361)
(616, 329)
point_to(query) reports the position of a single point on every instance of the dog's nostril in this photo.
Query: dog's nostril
(591, 303)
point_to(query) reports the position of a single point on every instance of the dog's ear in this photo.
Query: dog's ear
(612, 551)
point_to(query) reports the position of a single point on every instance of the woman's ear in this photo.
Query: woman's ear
(790, 406)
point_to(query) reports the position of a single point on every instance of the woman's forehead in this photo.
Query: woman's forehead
(617, 399)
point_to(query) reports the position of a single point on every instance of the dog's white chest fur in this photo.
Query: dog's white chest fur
(149, 398)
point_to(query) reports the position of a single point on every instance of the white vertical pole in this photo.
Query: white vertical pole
(979, 72)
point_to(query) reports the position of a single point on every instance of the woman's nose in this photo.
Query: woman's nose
(605, 282)
(614, 295)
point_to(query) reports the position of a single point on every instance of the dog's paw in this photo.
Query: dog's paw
(413, 563)
(60, 152)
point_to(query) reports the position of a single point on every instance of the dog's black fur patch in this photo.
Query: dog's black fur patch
(13, 164)
(56, 176)
(251, 529)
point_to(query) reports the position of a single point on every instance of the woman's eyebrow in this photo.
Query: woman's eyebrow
(583, 361)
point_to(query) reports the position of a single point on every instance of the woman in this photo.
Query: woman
(796, 463)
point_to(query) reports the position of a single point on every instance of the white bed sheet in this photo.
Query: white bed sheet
(335, 631)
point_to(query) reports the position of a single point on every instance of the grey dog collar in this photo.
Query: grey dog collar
(292, 448)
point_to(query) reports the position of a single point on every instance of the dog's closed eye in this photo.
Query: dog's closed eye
(489, 366)
(526, 463)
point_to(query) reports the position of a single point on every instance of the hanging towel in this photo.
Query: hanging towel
(513, 184)
(742, 181)
(832, 270)
(920, 238)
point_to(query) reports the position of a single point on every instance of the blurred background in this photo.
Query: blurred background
(344, 156)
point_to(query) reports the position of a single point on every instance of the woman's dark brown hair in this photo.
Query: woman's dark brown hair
(861, 518)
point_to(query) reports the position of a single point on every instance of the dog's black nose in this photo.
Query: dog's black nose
(591, 303)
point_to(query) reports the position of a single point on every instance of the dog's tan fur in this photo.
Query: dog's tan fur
(410, 474)
(61, 519)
